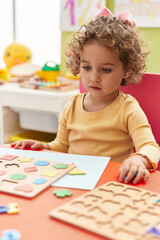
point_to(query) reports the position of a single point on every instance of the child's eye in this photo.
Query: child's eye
(86, 68)
(106, 70)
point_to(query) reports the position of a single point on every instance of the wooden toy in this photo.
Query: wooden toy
(51, 86)
(115, 210)
(27, 177)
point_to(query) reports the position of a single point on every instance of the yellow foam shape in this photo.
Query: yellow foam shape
(13, 208)
(49, 173)
(76, 171)
(24, 159)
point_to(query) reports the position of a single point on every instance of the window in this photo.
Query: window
(6, 27)
(36, 26)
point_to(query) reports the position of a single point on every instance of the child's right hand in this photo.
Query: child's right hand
(30, 143)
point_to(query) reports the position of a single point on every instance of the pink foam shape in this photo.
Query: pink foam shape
(8, 157)
(24, 188)
(30, 169)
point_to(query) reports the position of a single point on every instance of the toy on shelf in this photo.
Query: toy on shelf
(49, 72)
(15, 54)
(48, 79)
(23, 71)
(37, 83)
(3, 75)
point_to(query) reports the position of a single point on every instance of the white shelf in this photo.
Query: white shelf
(29, 100)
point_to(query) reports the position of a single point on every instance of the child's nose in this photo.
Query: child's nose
(95, 76)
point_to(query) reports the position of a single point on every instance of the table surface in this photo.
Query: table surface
(34, 222)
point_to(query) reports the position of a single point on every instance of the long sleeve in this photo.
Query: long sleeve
(141, 133)
(112, 132)
(61, 142)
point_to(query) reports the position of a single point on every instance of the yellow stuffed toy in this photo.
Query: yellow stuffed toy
(15, 54)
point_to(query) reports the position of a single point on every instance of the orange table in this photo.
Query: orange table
(34, 222)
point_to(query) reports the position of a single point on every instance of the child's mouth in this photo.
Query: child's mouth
(95, 88)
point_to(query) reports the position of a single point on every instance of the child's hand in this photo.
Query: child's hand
(29, 143)
(134, 169)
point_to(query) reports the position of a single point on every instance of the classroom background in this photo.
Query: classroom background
(32, 95)
(36, 24)
(45, 28)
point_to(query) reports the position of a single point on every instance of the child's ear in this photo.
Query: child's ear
(126, 73)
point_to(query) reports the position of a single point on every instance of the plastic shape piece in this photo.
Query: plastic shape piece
(60, 166)
(3, 209)
(76, 171)
(13, 208)
(40, 181)
(8, 157)
(24, 159)
(24, 188)
(49, 173)
(41, 163)
(18, 176)
(153, 230)
(63, 193)
(30, 169)
(11, 234)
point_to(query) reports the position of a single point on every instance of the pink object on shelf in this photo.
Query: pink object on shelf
(147, 92)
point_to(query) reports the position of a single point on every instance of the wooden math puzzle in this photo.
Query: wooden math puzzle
(27, 177)
(115, 210)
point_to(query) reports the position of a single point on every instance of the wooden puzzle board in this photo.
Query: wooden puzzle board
(114, 210)
(27, 177)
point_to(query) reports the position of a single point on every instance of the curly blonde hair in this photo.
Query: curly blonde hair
(112, 33)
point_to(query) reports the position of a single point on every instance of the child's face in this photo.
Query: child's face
(101, 70)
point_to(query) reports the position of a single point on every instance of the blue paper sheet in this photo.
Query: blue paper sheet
(92, 165)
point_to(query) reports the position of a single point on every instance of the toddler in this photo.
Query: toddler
(107, 52)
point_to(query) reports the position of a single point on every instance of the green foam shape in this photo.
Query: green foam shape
(63, 193)
(60, 166)
(18, 176)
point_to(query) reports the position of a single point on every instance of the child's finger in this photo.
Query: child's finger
(123, 172)
(23, 145)
(146, 175)
(140, 174)
(131, 174)
(18, 144)
(37, 145)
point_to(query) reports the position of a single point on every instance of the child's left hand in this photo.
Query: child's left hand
(134, 169)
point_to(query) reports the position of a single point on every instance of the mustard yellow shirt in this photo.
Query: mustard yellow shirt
(112, 132)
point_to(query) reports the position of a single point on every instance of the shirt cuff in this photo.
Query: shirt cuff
(154, 165)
